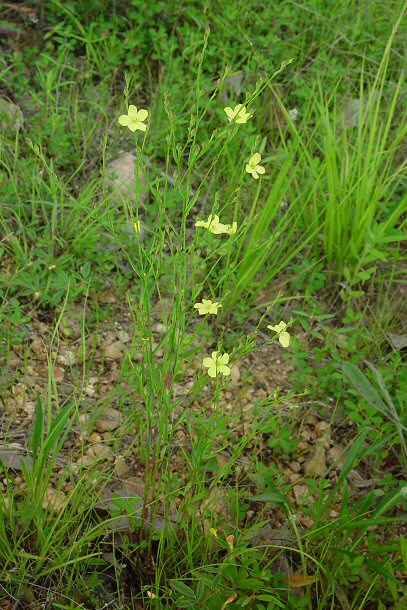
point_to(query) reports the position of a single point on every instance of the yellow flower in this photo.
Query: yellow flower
(230, 229)
(134, 119)
(213, 532)
(217, 228)
(217, 364)
(253, 166)
(283, 335)
(151, 595)
(211, 224)
(207, 307)
(238, 115)
(137, 227)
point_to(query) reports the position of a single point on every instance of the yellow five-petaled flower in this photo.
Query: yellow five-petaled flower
(214, 226)
(207, 307)
(134, 119)
(238, 114)
(283, 335)
(253, 166)
(216, 364)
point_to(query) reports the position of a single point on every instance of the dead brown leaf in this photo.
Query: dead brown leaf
(301, 580)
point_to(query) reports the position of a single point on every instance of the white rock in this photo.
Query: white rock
(94, 437)
(109, 421)
(121, 467)
(29, 407)
(89, 390)
(59, 373)
(322, 429)
(120, 176)
(101, 451)
(85, 460)
(310, 419)
(316, 464)
(123, 336)
(336, 456)
(54, 499)
(114, 351)
(160, 328)
(67, 358)
(10, 115)
(235, 373)
(300, 492)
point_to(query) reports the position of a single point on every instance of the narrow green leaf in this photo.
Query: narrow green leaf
(353, 457)
(270, 598)
(403, 547)
(270, 496)
(57, 428)
(38, 429)
(388, 502)
(363, 386)
(182, 588)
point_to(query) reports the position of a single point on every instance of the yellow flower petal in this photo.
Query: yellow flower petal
(124, 120)
(284, 339)
(255, 159)
(214, 308)
(232, 229)
(283, 335)
(278, 327)
(238, 114)
(213, 219)
(260, 169)
(201, 309)
(217, 228)
(132, 112)
(224, 359)
(142, 115)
